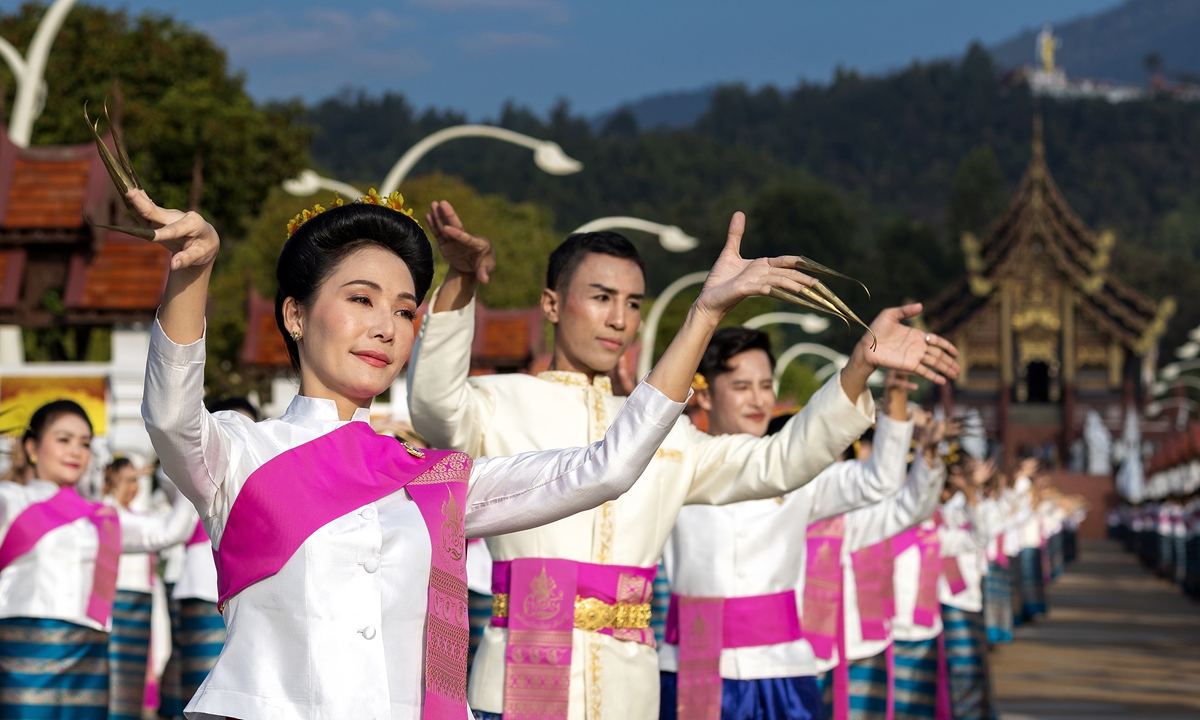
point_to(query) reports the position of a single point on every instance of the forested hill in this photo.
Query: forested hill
(875, 176)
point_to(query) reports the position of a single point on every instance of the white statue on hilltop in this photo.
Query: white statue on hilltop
(1099, 444)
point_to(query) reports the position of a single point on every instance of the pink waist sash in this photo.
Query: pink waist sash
(64, 508)
(541, 620)
(747, 621)
(198, 535)
(303, 489)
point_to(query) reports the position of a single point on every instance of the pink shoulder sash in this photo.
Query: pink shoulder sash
(926, 539)
(823, 585)
(303, 489)
(873, 570)
(64, 508)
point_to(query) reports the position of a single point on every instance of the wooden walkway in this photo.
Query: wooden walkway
(1118, 643)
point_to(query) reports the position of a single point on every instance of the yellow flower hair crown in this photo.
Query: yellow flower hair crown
(395, 201)
(698, 382)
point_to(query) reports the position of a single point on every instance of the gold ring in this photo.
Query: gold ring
(928, 338)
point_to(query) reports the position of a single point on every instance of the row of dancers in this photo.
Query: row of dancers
(1165, 533)
(340, 555)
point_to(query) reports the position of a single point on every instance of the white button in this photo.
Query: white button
(368, 513)
(368, 632)
(371, 565)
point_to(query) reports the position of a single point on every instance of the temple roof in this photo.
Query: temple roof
(1039, 212)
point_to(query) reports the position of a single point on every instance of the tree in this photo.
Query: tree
(182, 112)
(977, 194)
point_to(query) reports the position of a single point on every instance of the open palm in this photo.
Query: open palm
(910, 350)
(734, 278)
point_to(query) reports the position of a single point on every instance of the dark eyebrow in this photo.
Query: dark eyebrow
(375, 286)
(613, 291)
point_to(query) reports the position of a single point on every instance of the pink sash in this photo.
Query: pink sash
(752, 621)
(928, 608)
(823, 585)
(874, 567)
(198, 535)
(699, 679)
(541, 619)
(953, 574)
(303, 489)
(64, 508)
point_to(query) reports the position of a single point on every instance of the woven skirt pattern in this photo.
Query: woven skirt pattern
(479, 615)
(1033, 589)
(997, 604)
(52, 670)
(966, 661)
(916, 678)
(201, 637)
(868, 689)
(128, 648)
(170, 703)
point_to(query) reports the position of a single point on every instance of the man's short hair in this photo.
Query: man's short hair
(567, 257)
(728, 342)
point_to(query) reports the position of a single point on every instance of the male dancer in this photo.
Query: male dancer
(752, 555)
(606, 558)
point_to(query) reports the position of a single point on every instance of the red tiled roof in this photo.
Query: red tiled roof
(124, 274)
(263, 345)
(47, 193)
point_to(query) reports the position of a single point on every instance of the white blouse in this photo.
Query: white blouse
(54, 580)
(339, 632)
(758, 547)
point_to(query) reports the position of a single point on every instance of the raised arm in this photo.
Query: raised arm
(858, 483)
(915, 502)
(151, 533)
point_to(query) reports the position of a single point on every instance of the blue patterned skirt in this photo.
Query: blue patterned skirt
(201, 637)
(868, 689)
(52, 670)
(792, 698)
(128, 649)
(966, 661)
(170, 704)
(1033, 589)
(916, 678)
(997, 603)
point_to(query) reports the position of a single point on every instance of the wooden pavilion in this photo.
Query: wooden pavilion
(1046, 331)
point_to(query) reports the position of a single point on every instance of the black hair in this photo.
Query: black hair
(728, 342)
(45, 416)
(313, 252)
(237, 404)
(568, 256)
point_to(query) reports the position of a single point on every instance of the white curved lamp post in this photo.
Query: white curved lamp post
(811, 324)
(30, 72)
(835, 359)
(309, 182)
(547, 154)
(669, 236)
(650, 326)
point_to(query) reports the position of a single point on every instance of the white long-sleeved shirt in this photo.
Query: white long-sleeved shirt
(964, 535)
(759, 548)
(339, 631)
(54, 579)
(873, 524)
(611, 679)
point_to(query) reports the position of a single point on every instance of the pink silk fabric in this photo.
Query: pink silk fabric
(541, 618)
(303, 489)
(873, 571)
(607, 583)
(701, 623)
(198, 535)
(953, 574)
(64, 508)
(752, 621)
(823, 585)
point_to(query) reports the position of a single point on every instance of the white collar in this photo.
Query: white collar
(321, 409)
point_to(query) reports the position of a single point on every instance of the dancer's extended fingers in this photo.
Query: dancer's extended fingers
(148, 210)
(925, 372)
(448, 215)
(941, 342)
(942, 362)
(792, 273)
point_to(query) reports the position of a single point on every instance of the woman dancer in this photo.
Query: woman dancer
(58, 573)
(345, 597)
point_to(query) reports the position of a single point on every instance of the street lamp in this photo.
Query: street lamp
(30, 72)
(546, 154)
(650, 326)
(309, 182)
(811, 324)
(670, 237)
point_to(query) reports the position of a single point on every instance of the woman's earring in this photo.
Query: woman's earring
(296, 336)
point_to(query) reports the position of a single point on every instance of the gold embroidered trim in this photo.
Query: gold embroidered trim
(668, 454)
(592, 614)
(574, 379)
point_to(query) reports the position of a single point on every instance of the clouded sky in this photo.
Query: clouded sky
(473, 55)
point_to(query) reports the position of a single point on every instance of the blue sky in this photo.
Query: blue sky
(472, 55)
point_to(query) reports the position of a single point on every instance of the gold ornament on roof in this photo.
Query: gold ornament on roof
(395, 201)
